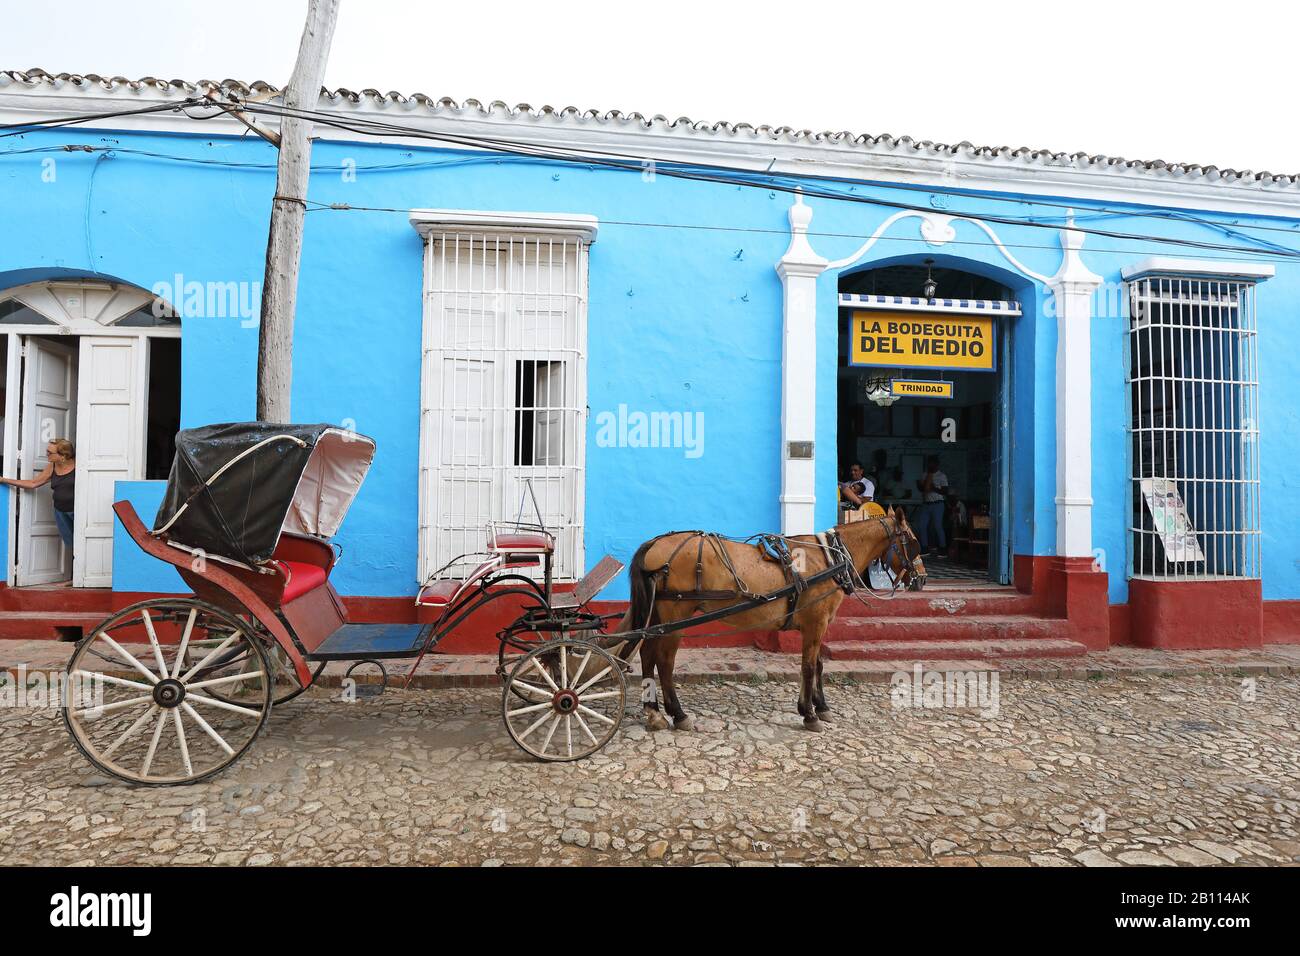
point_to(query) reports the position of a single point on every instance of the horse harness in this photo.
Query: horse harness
(773, 547)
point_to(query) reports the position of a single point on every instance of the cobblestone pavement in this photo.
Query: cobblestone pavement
(1123, 770)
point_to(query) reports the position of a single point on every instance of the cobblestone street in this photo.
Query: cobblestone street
(1124, 770)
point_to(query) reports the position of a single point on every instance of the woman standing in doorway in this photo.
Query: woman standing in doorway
(61, 473)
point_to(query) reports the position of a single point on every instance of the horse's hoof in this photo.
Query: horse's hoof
(824, 716)
(683, 723)
(655, 721)
(813, 724)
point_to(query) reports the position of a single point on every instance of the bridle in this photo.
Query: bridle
(898, 545)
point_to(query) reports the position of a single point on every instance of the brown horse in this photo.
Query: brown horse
(678, 575)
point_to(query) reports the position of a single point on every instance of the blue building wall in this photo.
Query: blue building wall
(680, 319)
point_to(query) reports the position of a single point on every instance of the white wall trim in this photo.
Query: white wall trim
(428, 221)
(1072, 289)
(799, 269)
(937, 230)
(1165, 265)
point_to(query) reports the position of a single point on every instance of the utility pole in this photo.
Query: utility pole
(284, 245)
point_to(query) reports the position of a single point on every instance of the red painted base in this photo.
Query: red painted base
(1190, 615)
(1282, 622)
(1068, 594)
(1070, 588)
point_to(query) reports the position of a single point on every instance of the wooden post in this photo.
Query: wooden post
(284, 245)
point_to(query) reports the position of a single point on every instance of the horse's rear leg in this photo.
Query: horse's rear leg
(667, 660)
(654, 720)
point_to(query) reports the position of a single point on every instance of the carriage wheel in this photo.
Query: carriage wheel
(141, 707)
(564, 700)
(286, 685)
(515, 646)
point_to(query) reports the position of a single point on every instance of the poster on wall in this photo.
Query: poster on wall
(1170, 520)
(911, 340)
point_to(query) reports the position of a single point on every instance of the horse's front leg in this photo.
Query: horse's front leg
(654, 720)
(812, 701)
(819, 692)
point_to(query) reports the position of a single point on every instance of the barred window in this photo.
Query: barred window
(504, 391)
(1194, 429)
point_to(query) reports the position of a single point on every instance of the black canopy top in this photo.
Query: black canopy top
(233, 488)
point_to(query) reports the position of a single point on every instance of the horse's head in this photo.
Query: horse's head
(902, 555)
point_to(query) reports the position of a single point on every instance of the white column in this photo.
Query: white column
(1072, 290)
(799, 269)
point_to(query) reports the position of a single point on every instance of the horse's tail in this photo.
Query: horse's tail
(641, 609)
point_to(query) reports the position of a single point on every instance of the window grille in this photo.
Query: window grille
(1194, 429)
(503, 392)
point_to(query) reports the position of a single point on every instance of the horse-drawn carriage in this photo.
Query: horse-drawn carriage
(184, 684)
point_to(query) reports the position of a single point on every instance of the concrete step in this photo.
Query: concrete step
(952, 650)
(956, 627)
(62, 599)
(946, 602)
(47, 625)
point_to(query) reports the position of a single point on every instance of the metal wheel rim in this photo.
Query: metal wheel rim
(157, 723)
(564, 700)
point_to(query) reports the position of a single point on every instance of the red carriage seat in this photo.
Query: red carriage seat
(521, 542)
(303, 577)
(439, 593)
(442, 592)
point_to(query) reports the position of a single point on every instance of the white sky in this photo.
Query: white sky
(1185, 82)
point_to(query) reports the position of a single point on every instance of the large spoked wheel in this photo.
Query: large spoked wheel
(143, 704)
(285, 687)
(564, 700)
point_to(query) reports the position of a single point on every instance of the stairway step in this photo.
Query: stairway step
(950, 602)
(973, 650)
(957, 627)
(44, 625)
(66, 600)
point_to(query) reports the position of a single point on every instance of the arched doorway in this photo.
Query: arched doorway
(96, 362)
(924, 406)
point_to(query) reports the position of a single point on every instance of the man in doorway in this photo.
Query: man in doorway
(858, 490)
(933, 486)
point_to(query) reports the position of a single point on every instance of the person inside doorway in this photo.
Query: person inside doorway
(858, 490)
(882, 476)
(61, 473)
(933, 486)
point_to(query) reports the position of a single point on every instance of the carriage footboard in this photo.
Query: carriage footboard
(372, 642)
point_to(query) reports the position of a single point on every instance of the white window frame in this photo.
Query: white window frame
(536, 235)
(1192, 399)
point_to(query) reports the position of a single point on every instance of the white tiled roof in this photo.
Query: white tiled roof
(625, 121)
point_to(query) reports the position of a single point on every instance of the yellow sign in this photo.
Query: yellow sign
(913, 388)
(923, 340)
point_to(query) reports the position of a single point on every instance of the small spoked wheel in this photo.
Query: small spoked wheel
(514, 647)
(168, 691)
(564, 700)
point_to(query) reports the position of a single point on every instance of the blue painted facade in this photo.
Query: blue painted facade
(680, 319)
